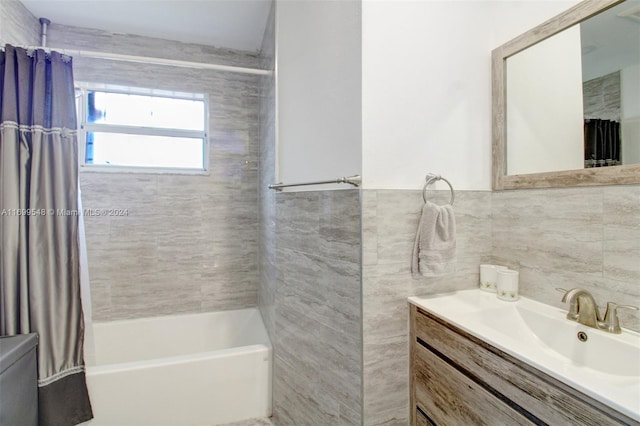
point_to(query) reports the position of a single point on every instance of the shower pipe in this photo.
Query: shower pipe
(44, 23)
(355, 180)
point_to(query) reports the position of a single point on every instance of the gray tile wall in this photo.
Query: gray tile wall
(267, 175)
(574, 237)
(601, 97)
(189, 243)
(128, 44)
(310, 287)
(389, 223)
(17, 25)
(318, 334)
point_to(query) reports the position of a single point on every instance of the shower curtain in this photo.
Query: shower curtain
(601, 143)
(39, 263)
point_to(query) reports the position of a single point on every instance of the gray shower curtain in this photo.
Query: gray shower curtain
(39, 263)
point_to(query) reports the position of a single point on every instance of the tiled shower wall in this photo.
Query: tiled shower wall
(318, 335)
(17, 25)
(310, 286)
(189, 242)
(267, 175)
(601, 97)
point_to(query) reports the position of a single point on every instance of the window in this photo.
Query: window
(143, 129)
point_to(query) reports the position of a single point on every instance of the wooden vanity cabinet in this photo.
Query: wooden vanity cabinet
(458, 379)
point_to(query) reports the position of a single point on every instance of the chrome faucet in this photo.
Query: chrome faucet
(584, 310)
(582, 307)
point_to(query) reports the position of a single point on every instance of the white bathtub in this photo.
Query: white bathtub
(197, 369)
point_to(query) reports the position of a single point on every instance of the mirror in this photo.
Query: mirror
(566, 100)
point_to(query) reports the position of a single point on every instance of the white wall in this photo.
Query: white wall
(426, 86)
(394, 89)
(318, 90)
(544, 106)
(630, 91)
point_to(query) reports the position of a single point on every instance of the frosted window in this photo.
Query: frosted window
(119, 149)
(145, 111)
(129, 129)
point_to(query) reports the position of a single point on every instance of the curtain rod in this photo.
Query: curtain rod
(151, 60)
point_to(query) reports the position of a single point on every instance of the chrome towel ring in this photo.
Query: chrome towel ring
(430, 178)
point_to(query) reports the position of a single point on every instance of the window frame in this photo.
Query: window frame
(82, 88)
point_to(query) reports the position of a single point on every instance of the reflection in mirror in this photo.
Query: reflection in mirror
(567, 98)
(544, 106)
(573, 100)
(611, 89)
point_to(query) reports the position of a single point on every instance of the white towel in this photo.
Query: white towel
(434, 251)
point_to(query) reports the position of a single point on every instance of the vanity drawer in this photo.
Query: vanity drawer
(450, 398)
(536, 395)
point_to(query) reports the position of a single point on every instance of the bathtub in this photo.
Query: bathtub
(196, 369)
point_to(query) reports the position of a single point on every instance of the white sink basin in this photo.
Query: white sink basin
(606, 366)
(604, 352)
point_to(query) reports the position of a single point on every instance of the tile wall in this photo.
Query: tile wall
(188, 243)
(318, 332)
(556, 237)
(572, 237)
(17, 25)
(389, 223)
(309, 286)
(267, 176)
(601, 97)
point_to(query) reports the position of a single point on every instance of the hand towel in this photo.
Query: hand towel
(434, 250)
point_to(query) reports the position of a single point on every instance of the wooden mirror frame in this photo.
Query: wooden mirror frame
(616, 175)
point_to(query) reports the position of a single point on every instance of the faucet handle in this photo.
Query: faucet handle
(611, 321)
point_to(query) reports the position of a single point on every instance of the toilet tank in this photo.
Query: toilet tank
(18, 380)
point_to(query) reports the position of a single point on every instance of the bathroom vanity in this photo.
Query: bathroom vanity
(478, 360)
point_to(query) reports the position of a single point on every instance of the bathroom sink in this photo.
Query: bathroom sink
(603, 365)
(532, 322)
(605, 352)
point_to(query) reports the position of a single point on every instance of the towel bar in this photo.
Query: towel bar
(431, 178)
(351, 180)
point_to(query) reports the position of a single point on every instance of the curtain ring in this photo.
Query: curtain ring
(433, 178)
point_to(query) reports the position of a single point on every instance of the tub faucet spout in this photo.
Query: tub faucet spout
(582, 308)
